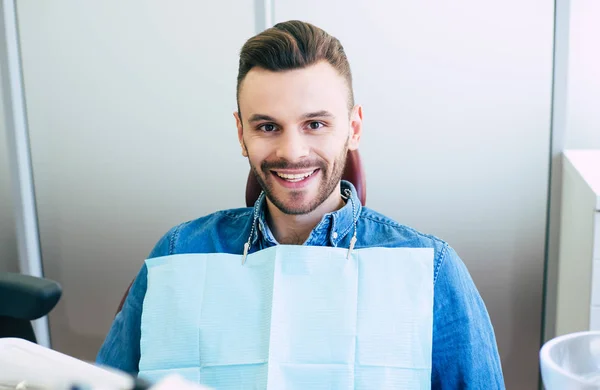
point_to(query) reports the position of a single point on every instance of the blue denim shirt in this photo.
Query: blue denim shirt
(465, 354)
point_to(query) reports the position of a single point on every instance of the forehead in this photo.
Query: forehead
(293, 92)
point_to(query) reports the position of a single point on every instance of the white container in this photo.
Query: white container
(571, 362)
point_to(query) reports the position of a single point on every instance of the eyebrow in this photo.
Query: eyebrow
(318, 114)
(309, 115)
(260, 117)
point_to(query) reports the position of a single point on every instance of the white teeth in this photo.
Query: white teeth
(294, 177)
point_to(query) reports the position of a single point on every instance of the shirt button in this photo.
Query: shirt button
(334, 235)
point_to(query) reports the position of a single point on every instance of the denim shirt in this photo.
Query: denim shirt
(464, 356)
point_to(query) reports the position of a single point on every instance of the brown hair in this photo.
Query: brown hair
(293, 45)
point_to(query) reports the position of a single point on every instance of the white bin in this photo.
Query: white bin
(571, 362)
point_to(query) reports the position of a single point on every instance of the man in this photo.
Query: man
(296, 122)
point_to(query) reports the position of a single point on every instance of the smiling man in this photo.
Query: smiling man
(296, 122)
(296, 127)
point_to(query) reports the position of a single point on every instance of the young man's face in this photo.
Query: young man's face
(296, 130)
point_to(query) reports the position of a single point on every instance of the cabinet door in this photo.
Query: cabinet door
(130, 110)
(456, 100)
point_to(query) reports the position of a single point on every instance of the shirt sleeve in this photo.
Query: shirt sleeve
(465, 354)
(121, 348)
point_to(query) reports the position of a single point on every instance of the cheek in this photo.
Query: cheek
(331, 149)
(257, 152)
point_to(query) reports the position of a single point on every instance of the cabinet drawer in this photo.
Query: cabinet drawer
(595, 283)
(597, 235)
(594, 318)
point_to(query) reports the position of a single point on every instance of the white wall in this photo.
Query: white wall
(583, 104)
(131, 130)
(456, 139)
(130, 112)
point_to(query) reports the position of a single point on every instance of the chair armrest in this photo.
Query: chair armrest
(27, 297)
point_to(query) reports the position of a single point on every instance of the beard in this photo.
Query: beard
(295, 201)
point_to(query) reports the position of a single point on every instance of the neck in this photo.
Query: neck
(295, 229)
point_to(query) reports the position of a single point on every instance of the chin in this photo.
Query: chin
(294, 203)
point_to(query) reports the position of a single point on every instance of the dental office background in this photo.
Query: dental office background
(468, 105)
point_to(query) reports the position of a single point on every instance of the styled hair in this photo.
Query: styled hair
(293, 45)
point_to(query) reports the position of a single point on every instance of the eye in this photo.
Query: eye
(315, 125)
(268, 127)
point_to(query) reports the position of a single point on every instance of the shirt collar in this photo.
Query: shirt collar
(332, 228)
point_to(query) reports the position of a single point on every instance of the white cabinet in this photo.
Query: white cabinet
(578, 303)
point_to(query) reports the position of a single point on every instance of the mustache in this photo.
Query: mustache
(283, 164)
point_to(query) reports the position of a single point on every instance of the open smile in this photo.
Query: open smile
(295, 179)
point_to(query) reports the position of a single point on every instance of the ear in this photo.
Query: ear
(240, 129)
(356, 122)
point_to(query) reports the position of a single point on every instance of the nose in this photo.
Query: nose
(292, 146)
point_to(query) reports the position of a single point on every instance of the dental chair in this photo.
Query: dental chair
(24, 298)
(353, 172)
